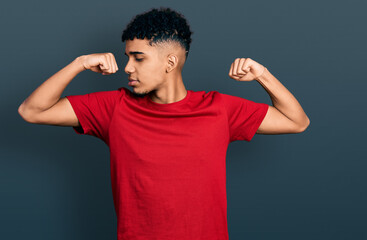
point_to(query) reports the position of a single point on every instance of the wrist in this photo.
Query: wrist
(79, 62)
(257, 78)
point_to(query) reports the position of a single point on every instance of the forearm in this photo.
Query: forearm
(282, 99)
(49, 92)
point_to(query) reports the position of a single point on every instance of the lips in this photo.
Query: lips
(132, 82)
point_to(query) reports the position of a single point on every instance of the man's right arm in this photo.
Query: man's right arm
(44, 105)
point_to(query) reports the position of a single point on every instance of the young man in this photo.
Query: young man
(167, 144)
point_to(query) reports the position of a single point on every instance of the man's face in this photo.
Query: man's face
(145, 65)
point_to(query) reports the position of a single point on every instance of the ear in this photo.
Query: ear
(172, 62)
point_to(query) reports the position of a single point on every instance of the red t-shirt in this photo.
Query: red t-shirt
(168, 169)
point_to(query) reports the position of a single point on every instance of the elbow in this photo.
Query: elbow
(21, 112)
(304, 126)
(24, 113)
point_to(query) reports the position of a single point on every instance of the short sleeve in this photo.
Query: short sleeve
(244, 116)
(94, 112)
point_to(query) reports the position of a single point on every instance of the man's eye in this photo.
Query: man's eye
(139, 59)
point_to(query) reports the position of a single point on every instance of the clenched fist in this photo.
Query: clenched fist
(104, 63)
(245, 69)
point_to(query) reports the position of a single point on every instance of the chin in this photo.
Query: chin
(140, 93)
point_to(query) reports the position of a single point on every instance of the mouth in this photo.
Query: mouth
(132, 82)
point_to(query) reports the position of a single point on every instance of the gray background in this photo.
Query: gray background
(55, 184)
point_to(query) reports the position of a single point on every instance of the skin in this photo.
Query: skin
(158, 70)
(286, 115)
(159, 75)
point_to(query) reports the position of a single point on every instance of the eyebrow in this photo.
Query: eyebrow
(134, 52)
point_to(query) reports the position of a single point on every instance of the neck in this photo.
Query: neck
(171, 92)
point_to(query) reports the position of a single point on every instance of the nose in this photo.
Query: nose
(129, 68)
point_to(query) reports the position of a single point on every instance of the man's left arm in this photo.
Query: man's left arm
(286, 115)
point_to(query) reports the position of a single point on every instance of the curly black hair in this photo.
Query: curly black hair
(159, 25)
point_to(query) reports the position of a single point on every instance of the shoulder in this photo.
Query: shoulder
(219, 97)
(205, 94)
(204, 99)
(123, 90)
(232, 99)
(215, 94)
